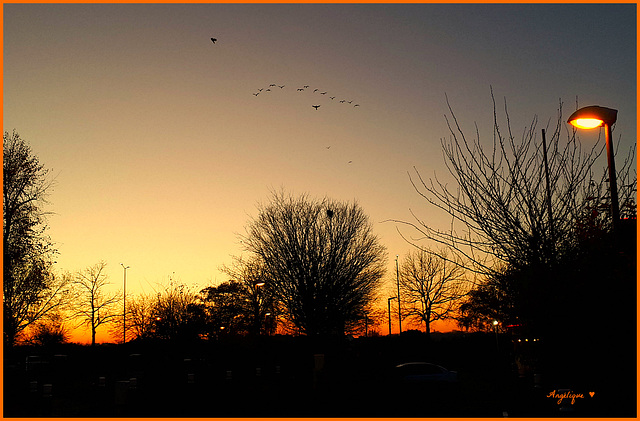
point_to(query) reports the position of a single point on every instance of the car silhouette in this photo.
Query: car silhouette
(424, 373)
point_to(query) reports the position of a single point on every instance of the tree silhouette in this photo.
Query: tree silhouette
(50, 330)
(256, 304)
(141, 317)
(501, 225)
(430, 287)
(227, 308)
(92, 306)
(30, 289)
(499, 202)
(324, 267)
(178, 314)
(174, 313)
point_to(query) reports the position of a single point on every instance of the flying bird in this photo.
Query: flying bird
(332, 97)
(213, 40)
(273, 84)
(300, 89)
(257, 93)
(323, 93)
(357, 105)
(305, 86)
(343, 101)
(280, 86)
(315, 106)
(315, 90)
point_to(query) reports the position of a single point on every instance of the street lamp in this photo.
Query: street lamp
(124, 305)
(398, 282)
(590, 118)
(257, 306)
(389, 305)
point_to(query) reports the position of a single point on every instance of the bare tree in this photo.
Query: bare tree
(373, 323)
(93, 307)
(431, 287)
(259, 308)
(30, 289)
(527, 236)
(322, 258)
(50, 330)
(140, 318)
(228, 308)
(178, 314)
(500, 199)
(174, 312)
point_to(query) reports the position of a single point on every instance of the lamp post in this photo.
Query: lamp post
(590, 118)
(258, 307)
(389, 305)
(399, 312)
(124, 305)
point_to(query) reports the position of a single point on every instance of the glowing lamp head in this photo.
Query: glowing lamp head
(592, 117)
(587, 123)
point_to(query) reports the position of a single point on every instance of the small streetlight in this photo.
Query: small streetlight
(124, 305)
(257, 306)
(590, 118)
(495, 327)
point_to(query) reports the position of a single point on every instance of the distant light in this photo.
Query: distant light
(495, 323)
(260, 284)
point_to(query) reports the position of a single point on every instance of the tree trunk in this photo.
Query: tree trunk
(427, 322)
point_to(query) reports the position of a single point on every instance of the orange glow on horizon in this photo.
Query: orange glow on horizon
(82, 335)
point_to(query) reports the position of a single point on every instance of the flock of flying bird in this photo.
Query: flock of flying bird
(273, 87)
(302, 89)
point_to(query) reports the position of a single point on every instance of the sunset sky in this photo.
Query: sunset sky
(161, 151)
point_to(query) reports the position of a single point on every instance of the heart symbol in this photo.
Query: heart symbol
(592, 393)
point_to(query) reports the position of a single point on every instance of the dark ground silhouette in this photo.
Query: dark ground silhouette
(286, 377)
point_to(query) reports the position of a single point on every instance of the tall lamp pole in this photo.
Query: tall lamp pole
(389, 305)
(124, 305)
(398, 282)
(590, 118)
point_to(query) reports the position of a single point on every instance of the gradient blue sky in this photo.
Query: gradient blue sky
(161, 151)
